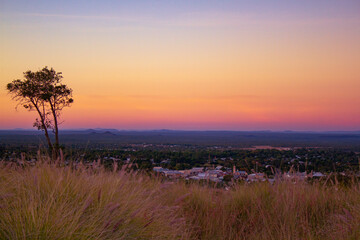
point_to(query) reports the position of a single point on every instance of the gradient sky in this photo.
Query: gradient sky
(217, 65)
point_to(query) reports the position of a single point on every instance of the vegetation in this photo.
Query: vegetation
(262, 160)
(47, 201)
(43, 92)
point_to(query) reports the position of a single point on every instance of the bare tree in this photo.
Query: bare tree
(43, 92)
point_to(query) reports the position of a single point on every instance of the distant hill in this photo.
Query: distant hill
(105, 137)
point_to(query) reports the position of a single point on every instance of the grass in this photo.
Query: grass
(50, 202)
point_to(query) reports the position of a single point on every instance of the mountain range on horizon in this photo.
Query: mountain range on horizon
(114, 130)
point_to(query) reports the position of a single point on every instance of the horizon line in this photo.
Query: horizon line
(180, 130)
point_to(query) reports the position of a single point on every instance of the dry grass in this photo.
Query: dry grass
(49, 202)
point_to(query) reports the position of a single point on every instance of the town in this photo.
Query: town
(213, 163)
(221, 174)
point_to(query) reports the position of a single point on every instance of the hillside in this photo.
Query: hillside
(50, 202)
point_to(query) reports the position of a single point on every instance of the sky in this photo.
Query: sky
(189, 65)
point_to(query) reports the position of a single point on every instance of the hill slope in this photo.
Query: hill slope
(49, 202)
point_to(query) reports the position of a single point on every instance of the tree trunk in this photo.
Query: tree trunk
(57, 144)
(56, 129)
(44, 126)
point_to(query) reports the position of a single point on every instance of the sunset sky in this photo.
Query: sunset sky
(192, 65)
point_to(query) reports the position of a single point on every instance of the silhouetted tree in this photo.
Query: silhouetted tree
(43, 92)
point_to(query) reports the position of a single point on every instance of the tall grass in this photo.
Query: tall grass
(50, 202)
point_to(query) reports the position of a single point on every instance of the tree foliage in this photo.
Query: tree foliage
(43, 92)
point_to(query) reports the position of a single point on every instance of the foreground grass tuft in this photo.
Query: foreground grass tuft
(50, 202)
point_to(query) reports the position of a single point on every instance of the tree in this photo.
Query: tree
(43, 92)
